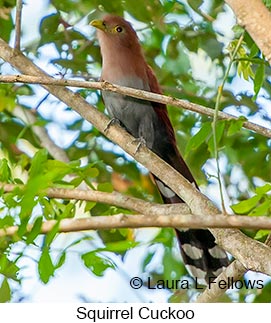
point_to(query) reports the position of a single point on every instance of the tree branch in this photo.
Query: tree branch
(139, 94)
(256, 19)
(165, 220)
(114, 198)
(155, 215)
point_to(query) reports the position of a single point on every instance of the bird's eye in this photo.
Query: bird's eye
(118, 29)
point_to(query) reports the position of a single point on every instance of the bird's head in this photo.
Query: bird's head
(121, 52)
(115, 30)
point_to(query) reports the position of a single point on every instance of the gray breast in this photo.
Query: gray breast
(137, 116)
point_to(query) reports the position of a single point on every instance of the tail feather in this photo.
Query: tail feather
(203, 258)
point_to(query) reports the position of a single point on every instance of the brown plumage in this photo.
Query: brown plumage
(124, 64)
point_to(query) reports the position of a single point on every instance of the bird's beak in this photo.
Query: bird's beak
(98, 24)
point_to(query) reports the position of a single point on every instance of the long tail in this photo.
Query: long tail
(203, 258)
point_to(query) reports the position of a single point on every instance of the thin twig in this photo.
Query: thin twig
(214, 123)
(18, 24)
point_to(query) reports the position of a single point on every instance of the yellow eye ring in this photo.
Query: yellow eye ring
(118, 29)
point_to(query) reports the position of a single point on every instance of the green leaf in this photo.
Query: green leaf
(89, 205)
(7, 103)
(61, 260)
(51, 235)
(195, 4)
(247, 205)
(235, 125)
(90, 172)
(26, 90)
(5, 173)
(97, 263)
(7, 221)
(263, 296)
(47, 207)
(267, 3)
(8, 268)
(48, 27)
(258, 80)
(76, 181)
(261, 234)
(56, 169)
(263, 209)
(35, 231)
(46, 268)
(37, 165)
(6, 27)
(238, 30)
(254, 51)
(120, 246)
(34, 186)
(263, 189)
(172, 266)
(69, 211)
(252, 205)
(5, 292)
(105, 187)
(147, 260)
(244, 69)
(199, 138)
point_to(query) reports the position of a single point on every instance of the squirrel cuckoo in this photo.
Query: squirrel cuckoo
(123, 63)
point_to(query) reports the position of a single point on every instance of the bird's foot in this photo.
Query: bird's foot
(112, 122)
(140, 142)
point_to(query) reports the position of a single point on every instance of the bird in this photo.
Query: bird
(124, 64)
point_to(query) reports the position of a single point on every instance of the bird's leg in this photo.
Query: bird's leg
(111, 122)
(140, 142)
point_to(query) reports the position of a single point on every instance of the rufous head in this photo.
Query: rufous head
(115, 30)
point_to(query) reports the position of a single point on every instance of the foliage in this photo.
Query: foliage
(189, 50)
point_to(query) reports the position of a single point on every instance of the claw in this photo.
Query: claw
(112, 122)
(140, 142)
